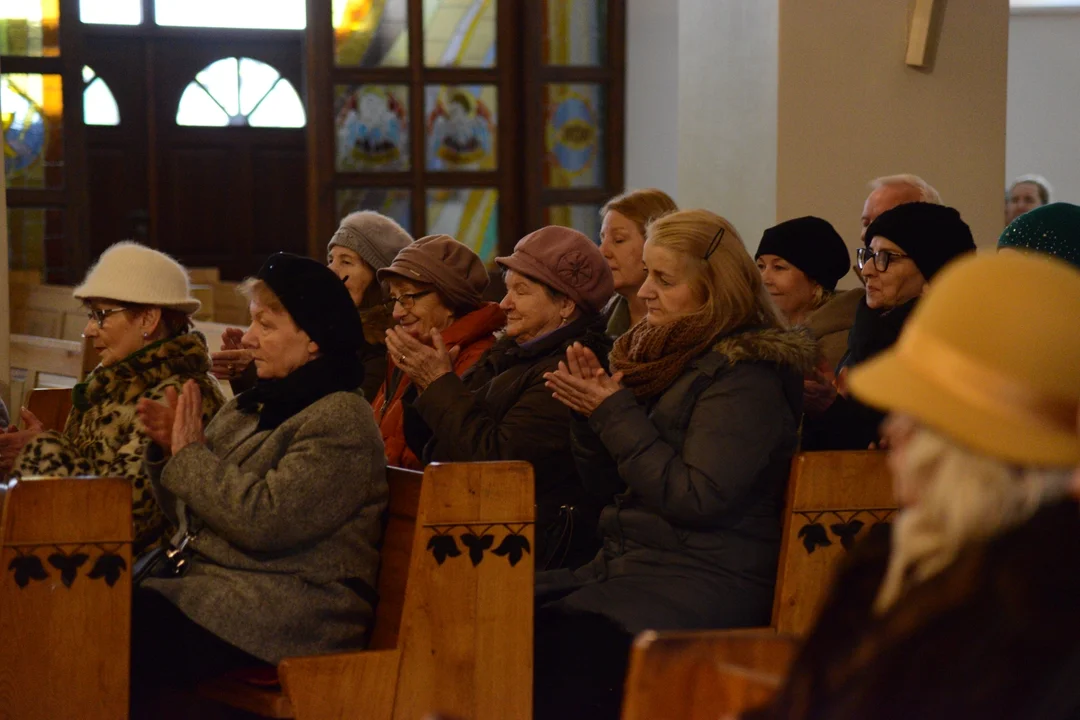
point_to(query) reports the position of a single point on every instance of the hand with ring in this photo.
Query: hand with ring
(233, 359)
(424, 364)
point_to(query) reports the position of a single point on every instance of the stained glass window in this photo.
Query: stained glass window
(240, 92)
(31, 109)
(461, 126)
(111, 12)
(574, 32)
(29, 231)
(262, 14)
(371, 33)
(392, 202)
(583, 218)
(372, 126)
(99, 105)
(459, 33)
(470, 215)
(30, 28)
(573, 135)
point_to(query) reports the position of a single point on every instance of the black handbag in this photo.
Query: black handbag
(164, 562)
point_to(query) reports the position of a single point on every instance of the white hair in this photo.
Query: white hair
(962, 497)
(1045, 191)
(926, 191)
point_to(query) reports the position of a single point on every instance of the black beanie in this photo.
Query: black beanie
(317, 300)
(931, 234)
(810, 244)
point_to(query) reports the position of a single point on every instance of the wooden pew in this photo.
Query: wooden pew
(463, 646)
(65, 599)
(46, 311)
(51, 406)
(833, 498)
(44, 362)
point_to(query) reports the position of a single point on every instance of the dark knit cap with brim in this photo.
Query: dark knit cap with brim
(317, 300)
(932, 235)
(811, 245)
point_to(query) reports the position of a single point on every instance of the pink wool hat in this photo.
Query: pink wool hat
(566, 261)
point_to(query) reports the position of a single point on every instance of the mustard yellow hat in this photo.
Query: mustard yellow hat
(991, 358)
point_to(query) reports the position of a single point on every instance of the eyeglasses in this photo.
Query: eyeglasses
(881, 258)
(715, 243)
(406, 300)
(98, 315)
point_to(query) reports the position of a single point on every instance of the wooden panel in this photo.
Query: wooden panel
(50, 405)
(395, 554)
(199, 212)
(117, 188)
(34, 357)
(230, 307)
(280, 212)
(703, 675)
(833, 499)
(66, 634)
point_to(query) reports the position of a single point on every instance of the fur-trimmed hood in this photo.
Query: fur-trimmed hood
(786, 347)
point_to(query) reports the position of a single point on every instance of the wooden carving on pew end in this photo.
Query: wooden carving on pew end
(65, 599)
(466, 639)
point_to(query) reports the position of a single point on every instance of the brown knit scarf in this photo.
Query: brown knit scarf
(651, 357)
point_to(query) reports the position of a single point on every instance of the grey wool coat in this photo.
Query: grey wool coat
(287, 522)
(693, 539)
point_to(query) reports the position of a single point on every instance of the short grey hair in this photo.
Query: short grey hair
(926, 191)
(1045, 191)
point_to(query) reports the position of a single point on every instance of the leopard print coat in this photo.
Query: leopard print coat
(103, 437)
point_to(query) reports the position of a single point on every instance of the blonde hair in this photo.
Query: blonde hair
(728, 282)
(926, 191)
(640, 206)
(256, 289)
(962, 497)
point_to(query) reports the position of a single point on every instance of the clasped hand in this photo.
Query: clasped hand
(177, 422)
(424, 364)
(581, 383)
(13, 440)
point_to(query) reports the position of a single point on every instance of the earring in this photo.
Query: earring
(146, 336)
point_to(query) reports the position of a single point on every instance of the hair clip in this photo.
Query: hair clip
(715, 242)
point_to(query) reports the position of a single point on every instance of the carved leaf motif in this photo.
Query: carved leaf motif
(108, 566)
(847, 532)
(27, 568)
(442, 547)
(814, 536)
(513, 546)
(68, 565)
(477, 546)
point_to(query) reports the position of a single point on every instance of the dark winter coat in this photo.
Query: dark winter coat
(994, 635)
(693, 541)
(501, 410)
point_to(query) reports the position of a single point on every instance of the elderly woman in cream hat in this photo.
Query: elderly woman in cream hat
(364, 243)
(138, 304)
(967, 608)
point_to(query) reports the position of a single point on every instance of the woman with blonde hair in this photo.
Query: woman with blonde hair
(693, 435)
(622, 238)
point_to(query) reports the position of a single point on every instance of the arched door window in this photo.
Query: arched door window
(240, 92)
(99, 105)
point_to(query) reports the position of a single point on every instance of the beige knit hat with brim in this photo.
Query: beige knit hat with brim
(133, 273)
(988, 358)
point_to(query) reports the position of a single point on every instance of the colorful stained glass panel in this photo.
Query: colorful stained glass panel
(30, 230)
(395, 203)
(371, 33)
(583, 218)
(470, 215)
(461, 127)
(574, 121)
(459, 33)
(31, 110)
(30, 28)
(372, 127)
(575, 32)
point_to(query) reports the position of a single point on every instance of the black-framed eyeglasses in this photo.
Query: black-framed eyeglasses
(98, 315)
(881, 258)
(406, 300)
(715, 242)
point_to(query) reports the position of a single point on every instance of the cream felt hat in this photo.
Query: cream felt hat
(990, 358)
(133, 273)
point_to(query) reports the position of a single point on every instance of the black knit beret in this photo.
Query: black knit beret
(931, 234)
(317, 300)
(810, 244)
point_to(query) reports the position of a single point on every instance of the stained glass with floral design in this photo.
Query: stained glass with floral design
(372, 128)
(371, 33)
(574, 121)
(31, 119)
(461, 127)
(574, 32)
(395, 203)
(459, 33)
(471, 215)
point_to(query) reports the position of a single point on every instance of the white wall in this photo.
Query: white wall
(652, 94)
(1043, 132)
